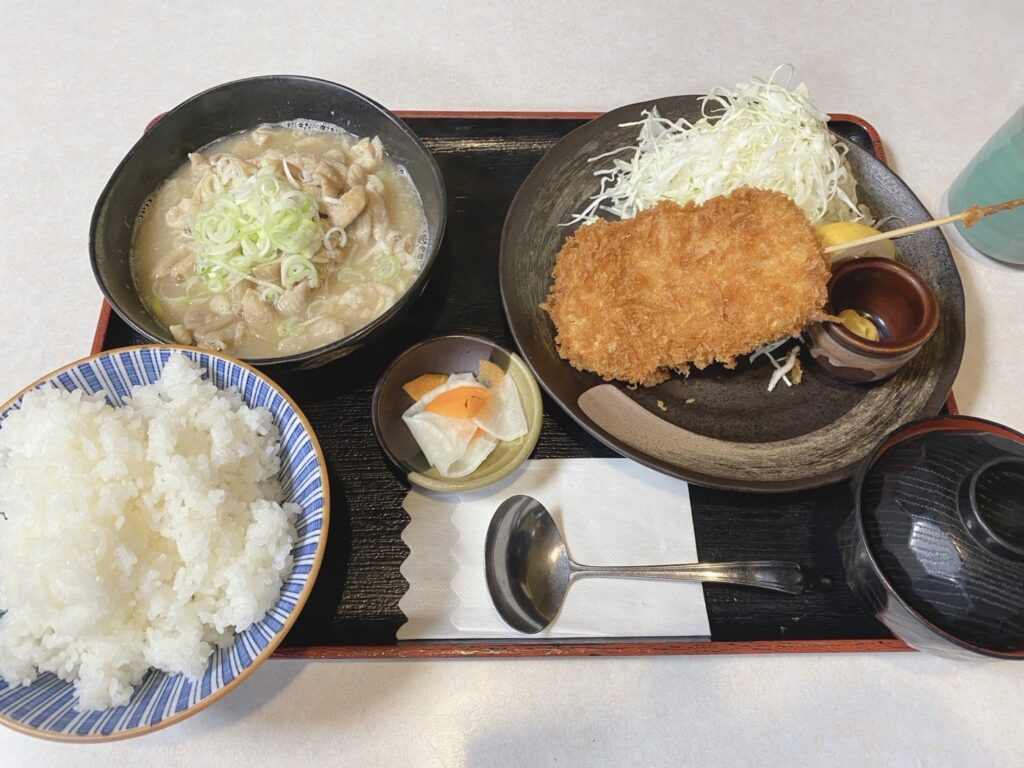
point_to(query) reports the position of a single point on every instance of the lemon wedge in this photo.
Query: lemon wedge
(840, 232)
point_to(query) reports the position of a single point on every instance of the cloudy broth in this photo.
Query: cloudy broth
(334, 234)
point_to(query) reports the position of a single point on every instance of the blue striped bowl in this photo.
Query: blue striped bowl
(46, 708)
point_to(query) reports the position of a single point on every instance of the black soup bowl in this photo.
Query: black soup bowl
(220, 112)
(935, 544)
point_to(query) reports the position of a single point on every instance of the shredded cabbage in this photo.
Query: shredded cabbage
(782, 368)
(246, 223)
(783, 365)
(760, 135)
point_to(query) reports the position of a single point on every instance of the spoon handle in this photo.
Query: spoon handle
(764, 574)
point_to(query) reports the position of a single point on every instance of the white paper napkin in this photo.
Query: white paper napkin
(610, 511)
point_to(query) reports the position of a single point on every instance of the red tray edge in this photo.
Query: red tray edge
(440, 649)
(459, 649)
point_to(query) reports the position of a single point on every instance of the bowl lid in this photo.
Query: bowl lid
(942, 509)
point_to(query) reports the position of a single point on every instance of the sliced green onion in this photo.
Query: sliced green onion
(338, 234)
(386, 268)
(290, 326)
(239, 261)
(349, 275)
(256, 221)
(229, 170)
(271, 293)
(159, 310)
(318, 307)
(209, 186)
(296, 268)
(288, 173)
(170, 289)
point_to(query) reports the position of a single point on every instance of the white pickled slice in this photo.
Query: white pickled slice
(502, 416)
(479, 448)
(443, 440)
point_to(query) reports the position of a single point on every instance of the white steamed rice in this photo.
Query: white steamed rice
(139, 536)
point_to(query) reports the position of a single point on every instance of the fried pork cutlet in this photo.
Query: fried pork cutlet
(686, 285)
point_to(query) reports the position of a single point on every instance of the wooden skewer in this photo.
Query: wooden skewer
(969, 217)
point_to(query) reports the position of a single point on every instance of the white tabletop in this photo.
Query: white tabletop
(936, 79)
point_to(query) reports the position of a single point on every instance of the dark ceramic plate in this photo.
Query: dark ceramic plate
(722, 428)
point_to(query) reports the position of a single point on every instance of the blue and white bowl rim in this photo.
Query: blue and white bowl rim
(45, 708)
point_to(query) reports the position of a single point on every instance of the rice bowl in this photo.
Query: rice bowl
(47, 707)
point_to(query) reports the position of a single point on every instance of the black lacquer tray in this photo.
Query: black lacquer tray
(353, 610)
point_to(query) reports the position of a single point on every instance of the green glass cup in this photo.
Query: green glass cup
(995, 174)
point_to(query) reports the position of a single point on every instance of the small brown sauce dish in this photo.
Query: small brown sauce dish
(899, 309)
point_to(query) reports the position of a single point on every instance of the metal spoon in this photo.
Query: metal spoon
(529, 570)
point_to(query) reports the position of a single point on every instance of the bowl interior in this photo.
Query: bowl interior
(220, 112)
(47, 707)
(451, 354)
(891, 294)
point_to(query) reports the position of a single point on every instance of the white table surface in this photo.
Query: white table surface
(80, 80)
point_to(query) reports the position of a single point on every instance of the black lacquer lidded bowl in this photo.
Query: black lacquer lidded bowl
(936, 543)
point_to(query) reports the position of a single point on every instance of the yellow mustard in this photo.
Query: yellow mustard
(856, 323)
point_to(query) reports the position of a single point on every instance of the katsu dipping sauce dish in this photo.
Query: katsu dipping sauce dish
(889, 296)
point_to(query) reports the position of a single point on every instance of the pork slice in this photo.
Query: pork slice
(183, 215)
(345, 211)
(181, 334)
(255, 310)
(269, 272)
(294, 300)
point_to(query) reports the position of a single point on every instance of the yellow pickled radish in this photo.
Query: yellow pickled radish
(840, 232)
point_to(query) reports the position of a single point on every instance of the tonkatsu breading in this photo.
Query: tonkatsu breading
(680, 285)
